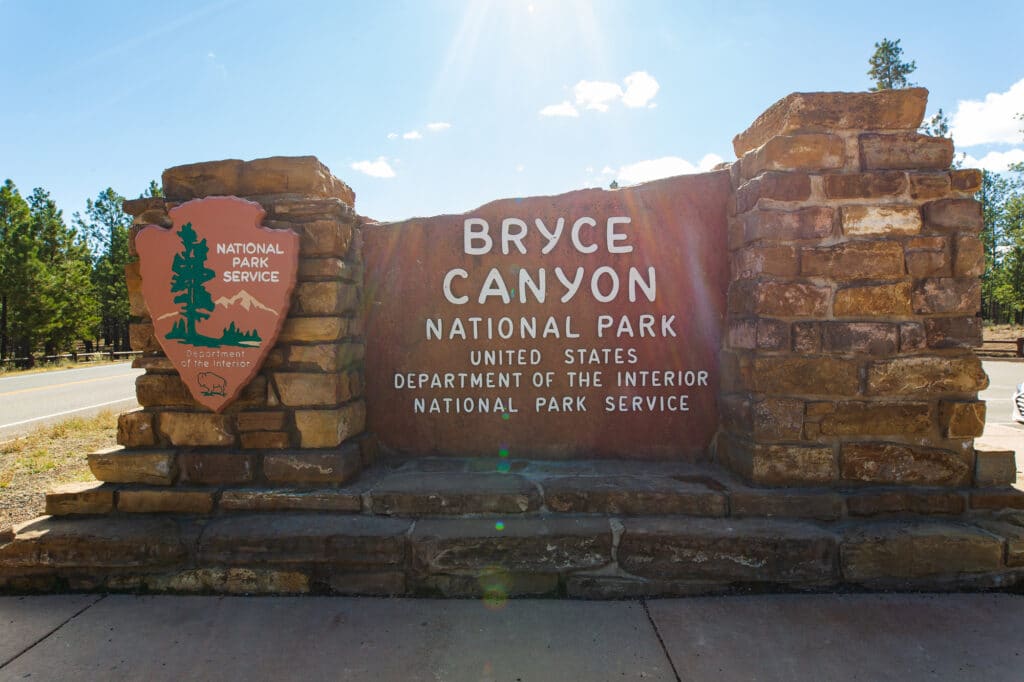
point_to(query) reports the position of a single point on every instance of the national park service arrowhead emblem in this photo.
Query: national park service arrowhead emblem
(217, 286)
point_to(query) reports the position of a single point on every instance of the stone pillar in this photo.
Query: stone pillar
(288, 423)
(855, 264)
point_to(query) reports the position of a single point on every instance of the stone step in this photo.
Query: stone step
(578, 555)
(403, 493)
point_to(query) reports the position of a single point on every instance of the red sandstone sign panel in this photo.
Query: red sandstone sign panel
(581, 325)
(217, 286)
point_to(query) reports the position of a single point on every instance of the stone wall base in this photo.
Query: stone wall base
(500, 528)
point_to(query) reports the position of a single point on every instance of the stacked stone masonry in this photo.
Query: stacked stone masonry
(855, 260)
(308, 394)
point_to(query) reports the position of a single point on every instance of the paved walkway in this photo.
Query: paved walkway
(768, 637)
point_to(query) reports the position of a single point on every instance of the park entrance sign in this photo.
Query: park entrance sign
(552, 327)
(217, 286)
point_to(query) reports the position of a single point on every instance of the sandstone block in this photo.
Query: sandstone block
(95, 543)
(876, 338)
(953, 332)
(926, 375)
(305, 467)
(861, 221)
(117, 465)
(328, 428)
(216, 468)
(826, 111)
(162, 390)
(883, 418)
(307, 389)
(953, 215)
(912, 336)
(1002, 497)
(929, 185)
(779, 299)
(802, 151)
(806, 337)
(893, 463)
(235, 580)
(344, 541)
(947, 295)
(166, 501)
(901, 550)
(142, 338)
(264, 500)
(378, 583)
(153, 363)
(301, 209)
(962, 419)
(905, 502)
(278, 174)
(905, 151)
(264, 420)
(967, 180)
(816, 222)
(327, 357)
(490, 583)
(777, 419)
(854, 260)
(994, 467)
(921, 264)
(330, 238)
(631, 496)
(970, 256)
(313, 329)
(728, 550)
(1011, 531)
(751, 502)
(136, 304)
(196, 428)
(135, 207)
(774, 186)
(864, 185)
(538, 545)
(872, 300)
(312, 269)
(326, 298)
(454, 493)
(804, 376)
(135, 429)
(780, 465)
(777, 261)
(265, 440)
(88, 497)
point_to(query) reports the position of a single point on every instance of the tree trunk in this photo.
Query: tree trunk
(3, 326)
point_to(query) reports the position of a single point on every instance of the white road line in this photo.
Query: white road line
(59, 414)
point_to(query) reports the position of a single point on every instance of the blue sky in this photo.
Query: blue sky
(436, 107)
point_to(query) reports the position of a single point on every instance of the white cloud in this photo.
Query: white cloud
(607, 170)
(998, 162)
(520, 168)
(596, 94)
(375, 169)
(641, 87)
(392, 136)
(412, 135)
(438, 126)
(990, 121)
(563, 109)
(664, 167)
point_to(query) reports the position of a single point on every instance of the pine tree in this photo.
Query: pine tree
(189, 280)
(105, 227)
(888, 71)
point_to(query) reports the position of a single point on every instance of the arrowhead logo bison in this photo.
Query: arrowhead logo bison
(217, 286)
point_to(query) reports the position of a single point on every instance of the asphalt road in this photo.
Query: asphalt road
(30, 400)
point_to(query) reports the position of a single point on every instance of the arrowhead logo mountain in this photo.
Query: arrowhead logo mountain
(217, 285)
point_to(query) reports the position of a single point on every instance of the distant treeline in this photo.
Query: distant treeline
(62, 286)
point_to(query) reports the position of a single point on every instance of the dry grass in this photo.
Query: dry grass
(1002, 332)
(46, 457)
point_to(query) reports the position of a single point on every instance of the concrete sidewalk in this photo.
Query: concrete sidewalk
(768, 637)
